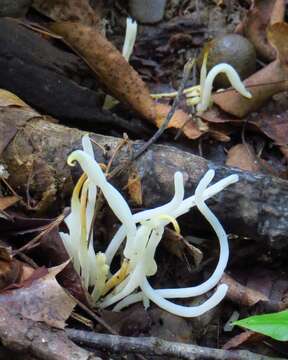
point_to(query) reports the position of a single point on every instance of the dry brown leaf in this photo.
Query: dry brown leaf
(177, 245)
(275, 126)
(241, 294)
(244, 337)
(243, 157)
(68, 10)
(9, 99)
(7, 201)
(10, 269)
(263, 84)
(134, 187)
(180, 120)
(111, 68)
(261, 14)
(44, 300)
(18, 116)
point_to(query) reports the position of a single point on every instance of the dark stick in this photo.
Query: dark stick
(155, 346)
(186, 73)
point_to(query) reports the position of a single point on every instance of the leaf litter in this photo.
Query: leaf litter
(40, 297)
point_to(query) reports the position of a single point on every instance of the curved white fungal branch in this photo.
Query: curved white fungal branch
(142, 232)
(207, 85)
(130, 38)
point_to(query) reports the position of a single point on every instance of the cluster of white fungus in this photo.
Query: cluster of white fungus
(201, 95)
(142, 233)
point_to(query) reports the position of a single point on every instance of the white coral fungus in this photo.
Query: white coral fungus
(142, 233)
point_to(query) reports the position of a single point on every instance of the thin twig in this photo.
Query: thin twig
(155, 346)
(35, 241)
(186, 73)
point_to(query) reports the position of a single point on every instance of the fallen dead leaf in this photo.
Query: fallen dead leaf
(263, 84)
(180, 120)
(111, 68)
(18, 116)
(275, 126)
(10, 268)
(134, 187)
(243, 157)
(241, 294)
(9, 99)
(68, 10)
(7, 201)
(244, 337)
(56, 253)
(44, 300)
(262, 14)
(177, 245)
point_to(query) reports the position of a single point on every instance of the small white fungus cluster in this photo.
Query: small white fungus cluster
(201, 95)
(142, 233)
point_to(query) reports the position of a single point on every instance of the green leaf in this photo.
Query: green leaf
(274, 325)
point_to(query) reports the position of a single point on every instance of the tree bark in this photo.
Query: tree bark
(36, 150)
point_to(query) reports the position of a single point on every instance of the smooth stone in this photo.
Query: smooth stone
(147, 11)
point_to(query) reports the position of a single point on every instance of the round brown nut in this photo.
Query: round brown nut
(232, 49)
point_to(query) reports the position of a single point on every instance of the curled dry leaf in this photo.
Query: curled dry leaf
(262, 14)
(180, 120)
(263, 84)
(43, 300)
(111, 68)
(9, 99)
(241, 294)
(65, 10)
(244, 337)
(243, 157)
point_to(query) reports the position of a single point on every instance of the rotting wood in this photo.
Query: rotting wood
(256, 207)
(42, 74)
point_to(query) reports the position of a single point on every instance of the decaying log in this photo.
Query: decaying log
(36, 150)
(41, 71)
(43, 74)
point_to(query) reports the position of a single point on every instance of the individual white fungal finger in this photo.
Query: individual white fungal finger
(184, 311)
(115, 200)
(135, 278)
(129, 300)
(214, 189)
(140, 243)
(87, 145)
(208, 84)
(223, 242)
(130, 38)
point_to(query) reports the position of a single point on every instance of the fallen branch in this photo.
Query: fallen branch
(35, 149)
(155, 346)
